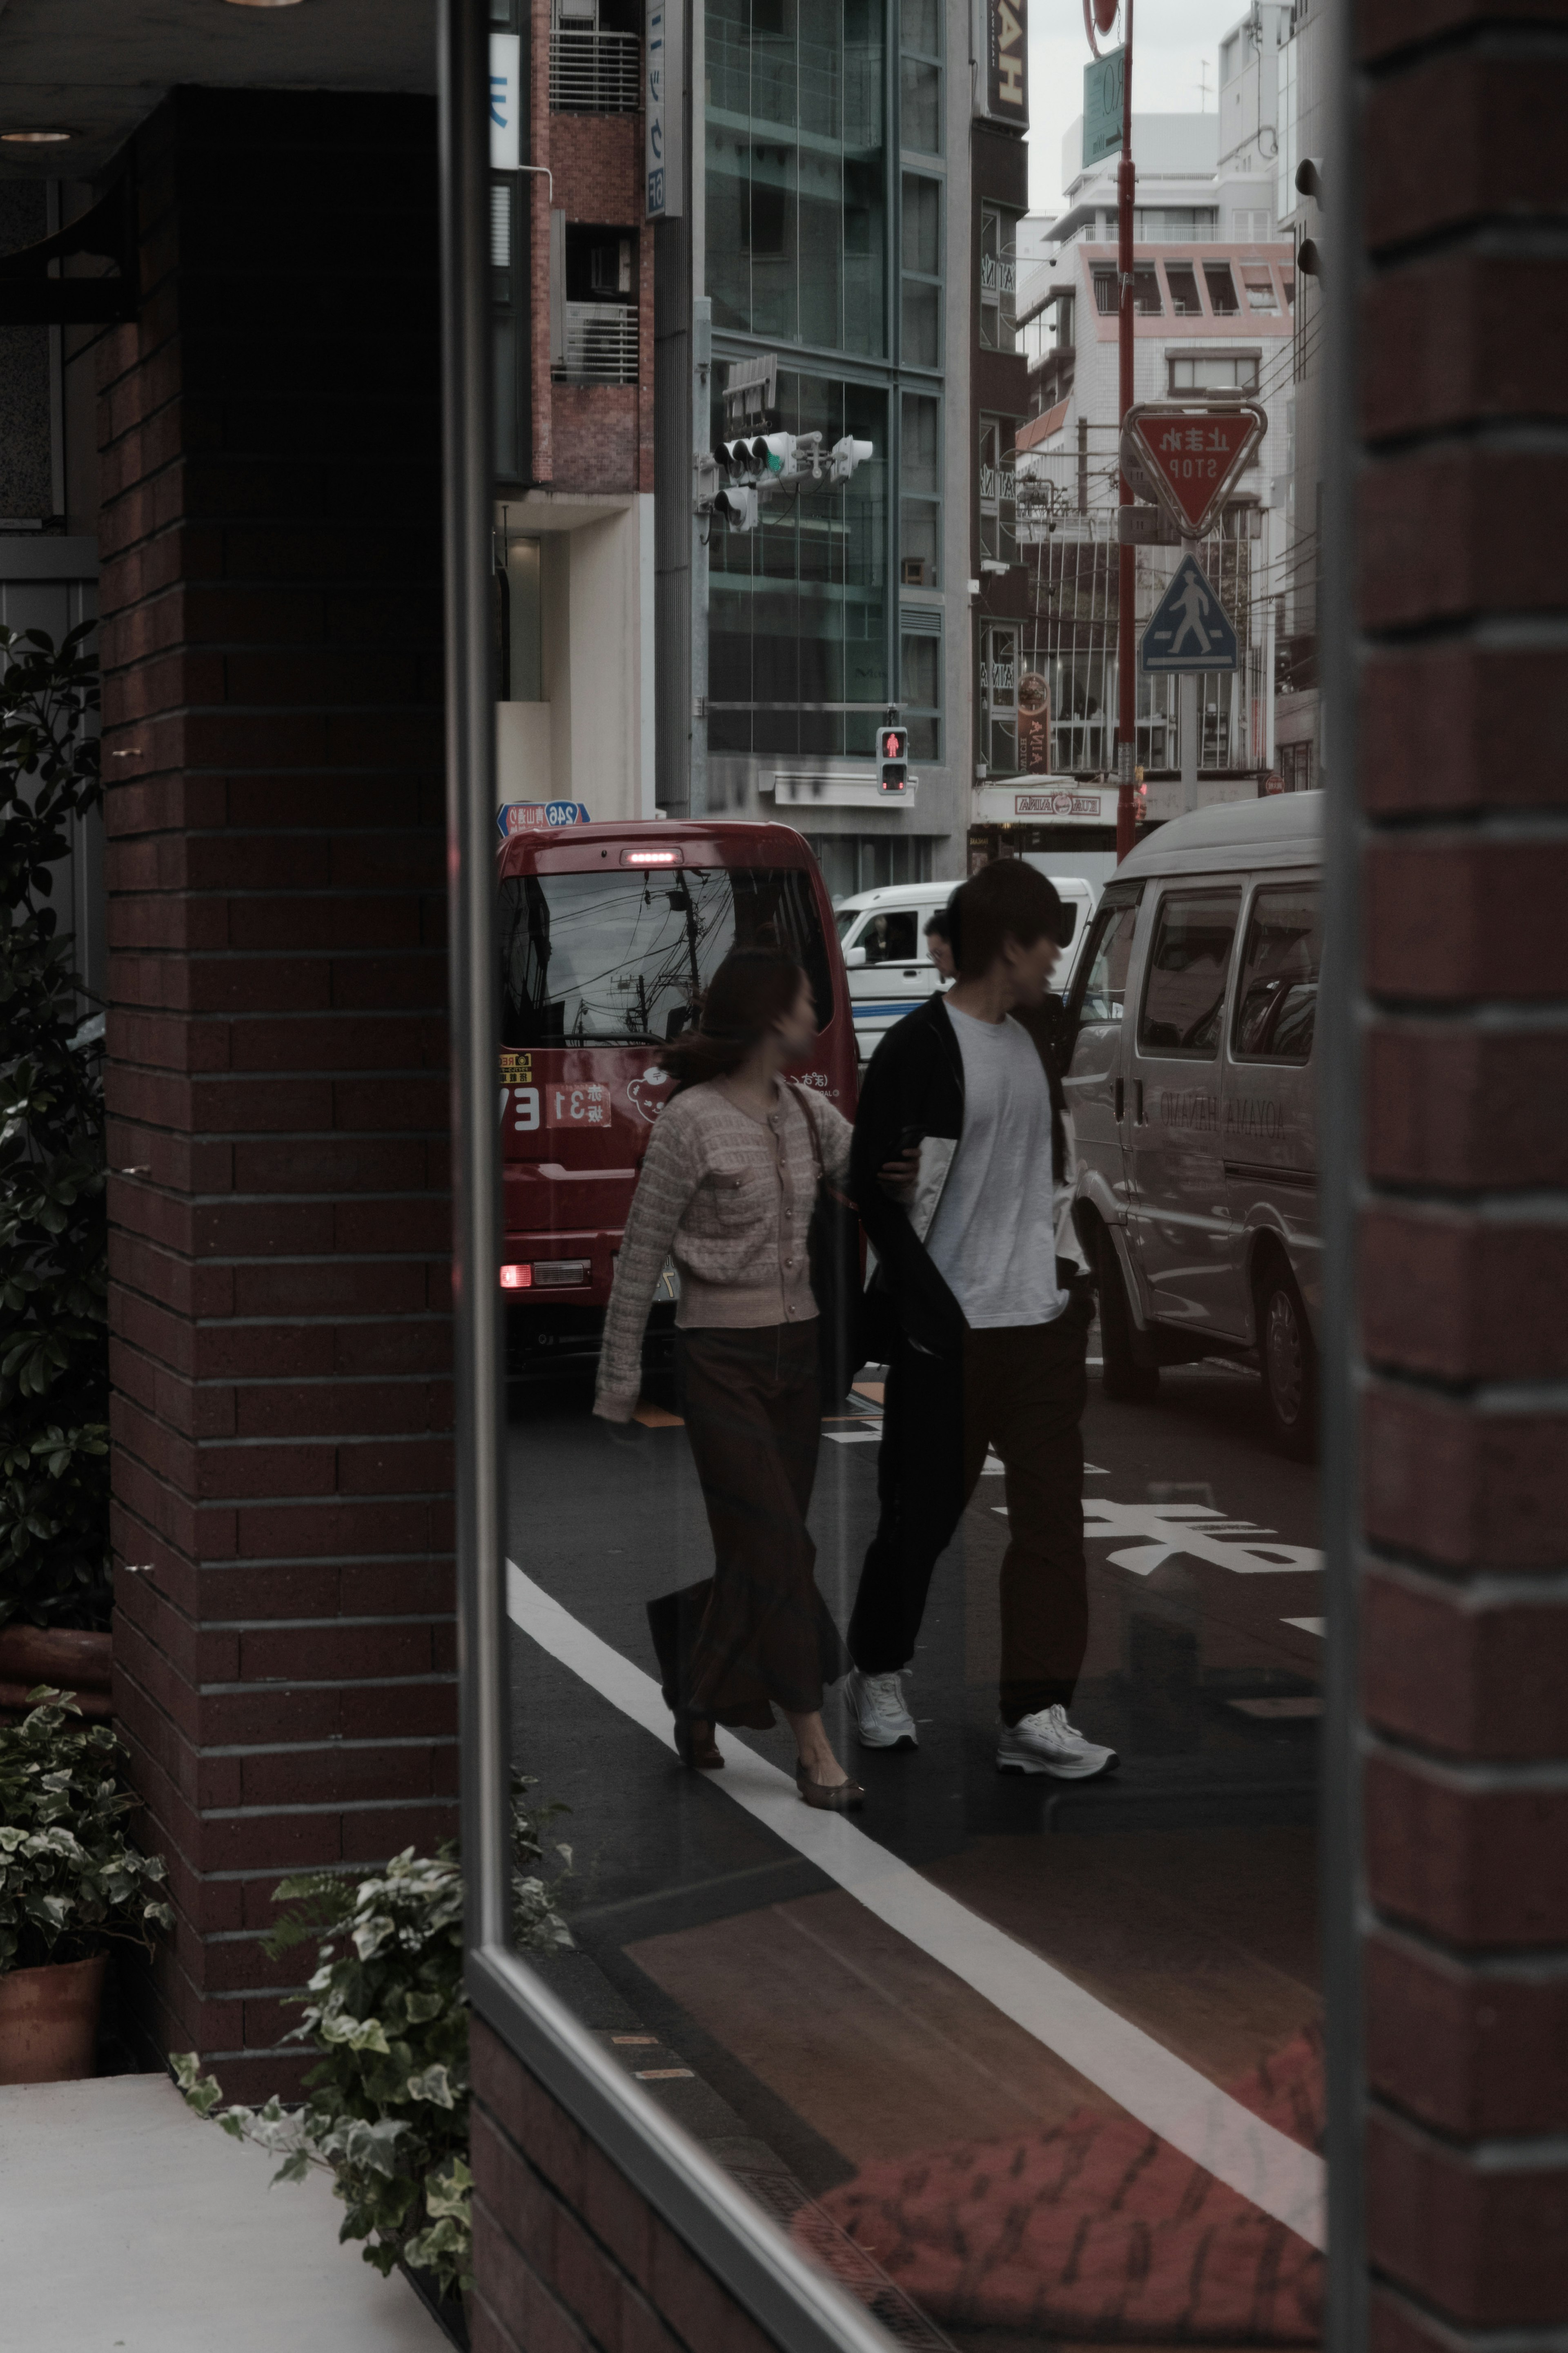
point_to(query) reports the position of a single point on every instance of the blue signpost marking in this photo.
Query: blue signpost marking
(1190, 630)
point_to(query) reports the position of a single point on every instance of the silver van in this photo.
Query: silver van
(1191, 1088)
(882, 935)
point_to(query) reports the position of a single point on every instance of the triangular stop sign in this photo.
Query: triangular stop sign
(1193, 454)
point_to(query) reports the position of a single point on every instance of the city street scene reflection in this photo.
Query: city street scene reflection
(1014, 2025)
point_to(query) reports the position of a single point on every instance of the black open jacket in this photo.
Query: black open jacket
(915, 1080)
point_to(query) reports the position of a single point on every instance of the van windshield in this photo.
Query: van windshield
(622, 957)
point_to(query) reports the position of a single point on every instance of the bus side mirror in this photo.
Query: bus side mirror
(853, 959)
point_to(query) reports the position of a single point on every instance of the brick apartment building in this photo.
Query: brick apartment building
(260, 464)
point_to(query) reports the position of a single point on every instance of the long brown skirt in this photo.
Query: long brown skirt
(757, 1633)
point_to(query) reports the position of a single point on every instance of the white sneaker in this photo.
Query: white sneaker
(881, 1719)
(1047, 1743)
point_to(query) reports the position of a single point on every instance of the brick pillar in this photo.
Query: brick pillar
(1464, 1249)
(269, 437)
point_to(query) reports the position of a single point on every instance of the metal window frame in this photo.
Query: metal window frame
(1339, 1017)
(798, 2307)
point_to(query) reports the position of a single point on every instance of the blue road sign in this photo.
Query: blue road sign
(1190, 629)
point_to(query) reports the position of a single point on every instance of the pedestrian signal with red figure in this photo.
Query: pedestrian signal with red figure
(893, 759)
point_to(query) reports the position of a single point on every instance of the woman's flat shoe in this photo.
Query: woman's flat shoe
(843, 1797)
(695, 1745)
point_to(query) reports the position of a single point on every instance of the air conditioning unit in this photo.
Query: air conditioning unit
(913, 572)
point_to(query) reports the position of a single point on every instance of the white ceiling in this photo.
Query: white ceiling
(99, 67)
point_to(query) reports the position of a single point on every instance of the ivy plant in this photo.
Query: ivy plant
(387, 2111)
(70, 1879)
(54, 1340)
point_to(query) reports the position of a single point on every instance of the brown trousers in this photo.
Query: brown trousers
(757, 1633)
(1021, 1391)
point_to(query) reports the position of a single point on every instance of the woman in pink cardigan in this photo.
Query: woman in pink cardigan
(727, 1186)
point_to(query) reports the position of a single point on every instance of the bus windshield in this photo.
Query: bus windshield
(621, 958)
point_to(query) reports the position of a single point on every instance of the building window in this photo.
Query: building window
(797, 211)
(1221, 288)
(921, 256)
(799, 635)
(998, 280)
(920, 76)
(1294, 761)
(920, 678)
(1146, 300)
(999, 697)
(1258, 286)
(1252, 227)
(870, 861)
(1106, 296)
(1175, 224)
(919, 492)
(998, 491)
(1215, 372)
(1182, 281)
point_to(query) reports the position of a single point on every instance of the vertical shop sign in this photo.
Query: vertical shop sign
(506, 100)
(1002, 44)
(1102, 84)
(664, 24)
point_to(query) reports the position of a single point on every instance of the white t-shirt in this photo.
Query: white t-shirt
(994, 1235)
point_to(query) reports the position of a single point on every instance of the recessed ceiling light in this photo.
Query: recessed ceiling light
(35, 138)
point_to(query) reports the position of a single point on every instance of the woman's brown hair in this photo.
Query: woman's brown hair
(753, 988)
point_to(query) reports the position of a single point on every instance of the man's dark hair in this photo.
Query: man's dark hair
(1006, 900)
(940, 922)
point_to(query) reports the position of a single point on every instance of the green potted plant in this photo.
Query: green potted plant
(71, 1883)
(53, 1341)
(387, 2108)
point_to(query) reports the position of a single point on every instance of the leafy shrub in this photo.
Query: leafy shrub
(70, 1877)
(387, 2112)
(53, 1345)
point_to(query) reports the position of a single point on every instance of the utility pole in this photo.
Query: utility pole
(1126, 574)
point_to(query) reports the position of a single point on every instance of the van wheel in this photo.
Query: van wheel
(1288, 1360)
(1125, 1380)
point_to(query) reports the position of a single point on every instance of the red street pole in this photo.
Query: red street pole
(1126, 619)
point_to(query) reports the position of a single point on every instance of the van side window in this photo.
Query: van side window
(1110, 953)
(1276, 1001)
(891, 938)
(1184, 998)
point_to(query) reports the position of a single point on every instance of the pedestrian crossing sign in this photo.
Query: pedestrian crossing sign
(1190, 630)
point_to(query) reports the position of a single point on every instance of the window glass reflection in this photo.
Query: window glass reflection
(1020, 2041)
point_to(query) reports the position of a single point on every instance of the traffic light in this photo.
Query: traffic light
(847, 455)
(738, 508)
(742, 461)
(893, 758)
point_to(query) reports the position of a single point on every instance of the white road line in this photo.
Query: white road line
(1145, 2079)
(1308, 1625)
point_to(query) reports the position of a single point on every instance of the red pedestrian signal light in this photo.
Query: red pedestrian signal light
(893, 758)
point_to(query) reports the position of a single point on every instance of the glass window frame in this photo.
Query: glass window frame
(935, 500)
(917, 714)
(799, 2307)
(1270, 887)
(937, 279)
(1004, 307)
(1177, 893)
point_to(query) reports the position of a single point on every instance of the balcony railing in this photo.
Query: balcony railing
(595, 73)
(601, 343)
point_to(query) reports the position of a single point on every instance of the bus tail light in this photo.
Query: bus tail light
(517, 1278)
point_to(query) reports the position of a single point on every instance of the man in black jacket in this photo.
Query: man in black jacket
(959, 1172)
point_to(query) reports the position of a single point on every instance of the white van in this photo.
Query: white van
(1191, 1083)
(882, 935)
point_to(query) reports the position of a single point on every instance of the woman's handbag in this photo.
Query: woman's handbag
(833, 1242)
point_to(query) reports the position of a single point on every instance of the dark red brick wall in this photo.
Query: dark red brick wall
(271, 593)
(570, 2258)
(1462, 1265)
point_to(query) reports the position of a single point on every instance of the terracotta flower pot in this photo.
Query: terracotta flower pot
(48, 2021)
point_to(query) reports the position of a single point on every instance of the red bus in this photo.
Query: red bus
(608, 934)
